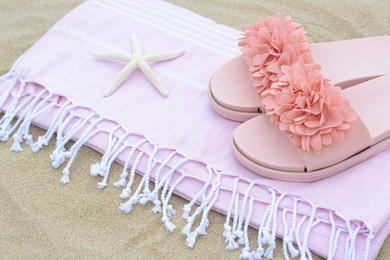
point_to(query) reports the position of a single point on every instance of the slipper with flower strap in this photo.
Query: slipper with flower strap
(277, 41)
(318, 129)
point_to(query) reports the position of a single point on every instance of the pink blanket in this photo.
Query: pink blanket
(178, 141)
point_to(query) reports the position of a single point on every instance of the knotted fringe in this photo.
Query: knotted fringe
(167, 209)
(228, 231)
(73, 151)
(101, 168)
(187, 207)
(238, 232)
(207, 203)
(127, 191)
(267, 237)
(22, 107)
(5, 127)
(106, 163)
(31, 111)
(156, 202)
(288, 234)
(146, 196)
(245, 253)
(122, 181)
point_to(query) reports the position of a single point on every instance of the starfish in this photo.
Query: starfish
(137, 60)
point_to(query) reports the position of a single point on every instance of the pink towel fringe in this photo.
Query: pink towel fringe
(22, 105)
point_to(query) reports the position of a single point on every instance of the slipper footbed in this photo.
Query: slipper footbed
(263, 144)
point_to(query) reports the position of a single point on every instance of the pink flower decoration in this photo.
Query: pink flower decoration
(293, 92)
(271, 43)
(308, 107)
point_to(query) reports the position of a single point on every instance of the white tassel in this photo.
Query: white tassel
(293, 251)
(206, 207)
(168, 224)
(28, 139)
(156, 202)
(167, 209)
(332, 235)
(202, 230)
(56, 164)
(146, 197)
(121, 182)
(239, 225)
(151, 196)
(57, 159)
(13, 109)
(128, 206)
(16, 147)
(370, 237)
(187, 207)
(260, 249)
(240, 235)
(269, 252)
(143, 199)
(258, 254)
(127, 190)
(7, 92)
(31, 111)
(227, 226)
(186, 211)
(266, 236)
(191, 239)
(4, 135)
(44, 140)
(65, 177)
(103, 171)
(227, 230)
(72, 153)
(187, 228)
(64, 123)
(108, 159)
(125, 194)
(228, 233)
(245, 254)
(231, 237)
(101, 168)
(95, 169)
(206, 223)
(35, 147)
(102, 185)
(125, 173)
(306, 233)
(289, 236)
(151, 164)
(247, 248)
(157, 207)
(170, 210)
(59, 154)
(297, 237)
(232, 245)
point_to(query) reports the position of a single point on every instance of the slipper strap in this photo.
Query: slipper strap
(357, 140)
(292, 90)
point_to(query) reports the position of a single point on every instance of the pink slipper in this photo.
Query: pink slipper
(232, 90)
(318, 129)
